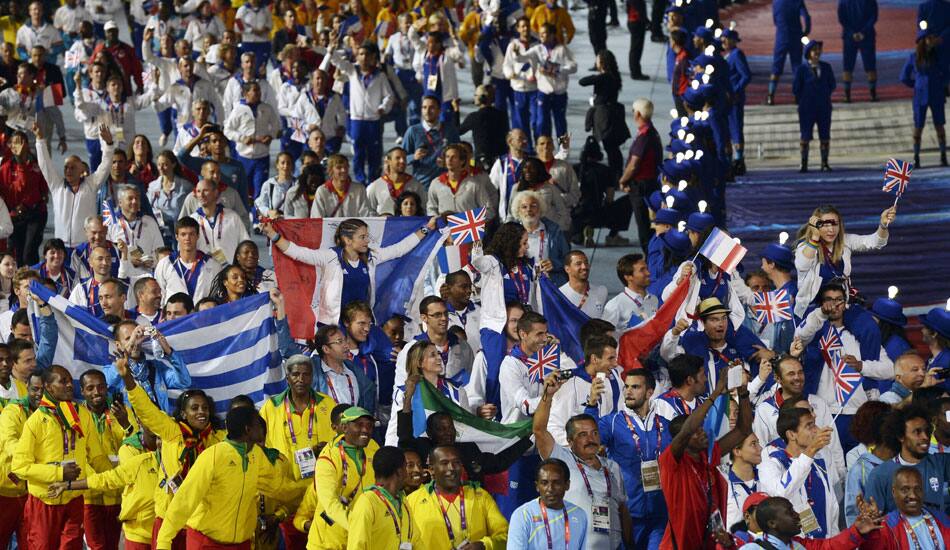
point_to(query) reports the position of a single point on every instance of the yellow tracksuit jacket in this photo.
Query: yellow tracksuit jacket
(136, 476)
(328, 487)
(110, 435)
(12, 418)
(219, 496)
(559, 17)
(485, 522)
(274, 413)
(168, 430)
(39, 454)
(373, 523)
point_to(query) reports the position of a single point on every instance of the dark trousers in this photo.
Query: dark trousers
(656, 17)
(639, 191)
(27, 236)
(637, 31)
(597, 27)
(614, 158)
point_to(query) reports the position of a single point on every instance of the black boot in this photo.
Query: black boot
(847, 95)
(740, 167)
(804, 165)
(943, 158)
(916, 161)
(770, 99)
(873, 91)
(825, 149)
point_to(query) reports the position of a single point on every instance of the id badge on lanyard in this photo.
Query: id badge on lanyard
(306, 461)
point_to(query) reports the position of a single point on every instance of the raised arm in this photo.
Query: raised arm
(695, 419)
(542, 437)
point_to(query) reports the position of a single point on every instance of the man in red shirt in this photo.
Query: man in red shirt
(639, 179)
(124, 55)
(694, 489)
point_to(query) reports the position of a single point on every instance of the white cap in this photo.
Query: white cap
(110, 25)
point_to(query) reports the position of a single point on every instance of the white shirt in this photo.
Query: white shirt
(234, 91)
(223, 231)
(45, 35)
(559, 58)
(143, 233)
(882, 369)
(591, 302)
(622, 307)
(326, 203)
(459, 358)
(401, 50)
(521, 74)
(103, 10)
(172, 282)
(570, 398)
(68, 19)
(70, 209)
(243, 123)
(778, 481)
(520, 395)
(247, 18)
(366, 100)
(447, 77)
(197, 30)
(332, 120)
(471, 193)
(118, 117)
(380, 202)
(343, 387)
(182, 97)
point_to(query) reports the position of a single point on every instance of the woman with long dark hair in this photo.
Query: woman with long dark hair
(409, 204)
(607, 119)
(141, 164)
(349, 267)
(259, 279)
(928, 77)
(508, 251)
(230, 285)
(167, 193)
(300, 195)
(25, 192)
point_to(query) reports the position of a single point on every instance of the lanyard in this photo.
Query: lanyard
(584, 298)
(69, 439)
(392, 513)
(92, 292)
(684, 407)
(394, 186)
(913, 534)
(521, 285)
(634, 298)
(636, 437)
(445, 515)
(290, 421)
(215, 221)
(361, 468)
(187, 273)
(127, 230)
(349, 383)
(547, 526)
(433, 142)
(590, 491)
(443, 352)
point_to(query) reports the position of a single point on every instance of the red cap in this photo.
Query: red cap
(753, 500)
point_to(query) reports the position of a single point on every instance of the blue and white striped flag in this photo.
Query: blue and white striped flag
(229, 349)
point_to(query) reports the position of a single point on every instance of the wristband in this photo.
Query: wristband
(69, 485)
(812, 245)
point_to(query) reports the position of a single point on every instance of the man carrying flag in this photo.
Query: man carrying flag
(838, 358)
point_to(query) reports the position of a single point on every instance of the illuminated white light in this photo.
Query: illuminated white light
(689, 138)
(805, 40)
(679, 157)
(688, 155)
(681, 226)
(702, 206)
(699, 154)
(732, 25)
(892, 292)
(709, 23)
(710, 50)
(694, 84)
(674, 113)
(682, 185)
(669, 201)
(923, 25)
(782, 237)
(705, 79)
(665, 189)
(709, 69)
(680, 134)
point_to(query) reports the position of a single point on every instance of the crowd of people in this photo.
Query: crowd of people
(691, 418)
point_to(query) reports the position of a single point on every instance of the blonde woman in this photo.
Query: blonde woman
(824, 250)
(339, 197)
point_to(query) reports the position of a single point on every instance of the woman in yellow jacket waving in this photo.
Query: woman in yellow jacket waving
(183, 437)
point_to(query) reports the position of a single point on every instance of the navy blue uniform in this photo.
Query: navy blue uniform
(787, 16)
(739, 75)
(928, 81)
(858, 16)
(813, 95)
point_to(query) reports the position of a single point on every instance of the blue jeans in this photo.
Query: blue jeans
(522, 114)
(367, 136)
(166, 121)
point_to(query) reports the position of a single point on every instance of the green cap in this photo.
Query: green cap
(355, 413)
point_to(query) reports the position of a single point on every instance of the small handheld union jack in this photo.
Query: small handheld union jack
(847, 379)
(773, 306)
(468, 226)
(896, 176)
(109, 216)
(544, 362)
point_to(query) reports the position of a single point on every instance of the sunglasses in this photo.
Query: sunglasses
(830, 223)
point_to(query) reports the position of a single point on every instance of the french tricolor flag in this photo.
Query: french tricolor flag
(455, 257)
(722, 250)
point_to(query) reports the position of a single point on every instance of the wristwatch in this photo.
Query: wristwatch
(425, 230)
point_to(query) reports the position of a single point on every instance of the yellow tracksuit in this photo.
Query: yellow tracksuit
(39, 454)
(469, 31)
(484, 521)
(282, 507)
(374, 522)
(279, 425)
(12, 418)
(329, 487)
(110, 435)
(168, 430)
(219, 496)
(136, 477)
(559, 17)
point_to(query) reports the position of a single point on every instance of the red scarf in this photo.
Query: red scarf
(193, 445)
(340, 196)
(444, 178)
(395, 187)
(65, 413)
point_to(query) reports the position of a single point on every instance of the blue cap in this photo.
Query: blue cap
(780, 254)
(889, 310)
(669, 216)
(811, 44)
(696, 97)
(702, 60)
(705, 33)
(654, 201)
(671, 169)
(681, 201)
(732, 34)
(937, 320)
(673, 8)
(925, 32)
(677, 242)
(700, 222)
(679, 146)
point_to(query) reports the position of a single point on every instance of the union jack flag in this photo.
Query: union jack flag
(830, 342)
(773, 306)
(847, 379)
(468, 226)
(544, 362)
(109, 216)
(896, 176)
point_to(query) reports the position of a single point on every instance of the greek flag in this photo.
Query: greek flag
(230, 349)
